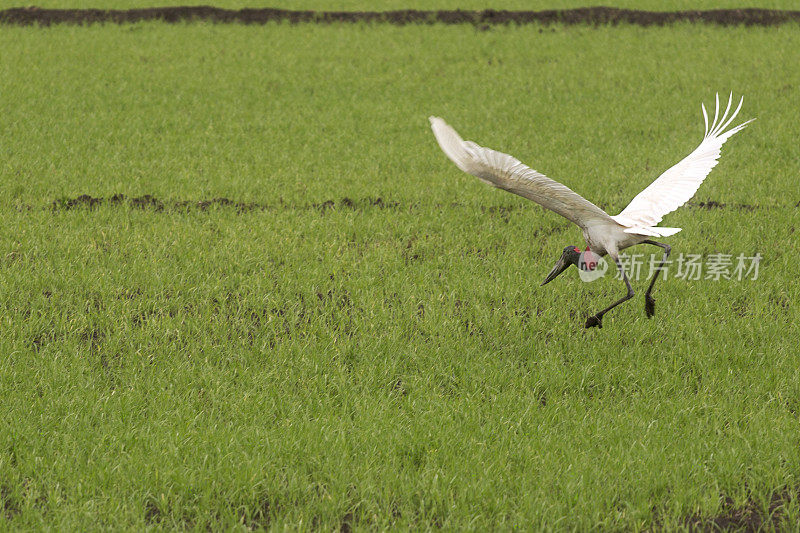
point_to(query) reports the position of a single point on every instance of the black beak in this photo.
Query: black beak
(560, 267)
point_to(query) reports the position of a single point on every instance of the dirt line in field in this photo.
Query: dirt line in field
(752, 516)
(26, 16)
(148, 201)
(713, 204)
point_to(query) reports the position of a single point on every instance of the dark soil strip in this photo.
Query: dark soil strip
(147, 201)
(751, 518)
(26, 16)
(713, 204)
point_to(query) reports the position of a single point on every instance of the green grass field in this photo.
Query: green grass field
(387, 360)
(381, 5)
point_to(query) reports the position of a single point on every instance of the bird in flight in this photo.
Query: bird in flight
(604, 234)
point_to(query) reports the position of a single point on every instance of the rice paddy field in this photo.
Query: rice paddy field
(242, 288)
(358, 5)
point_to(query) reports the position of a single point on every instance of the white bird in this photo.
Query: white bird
(604, 233)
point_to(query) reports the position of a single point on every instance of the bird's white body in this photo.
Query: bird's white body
(603, 238)
(604, 234)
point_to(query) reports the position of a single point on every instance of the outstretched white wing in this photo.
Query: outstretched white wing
(506, 172)
(677, 185)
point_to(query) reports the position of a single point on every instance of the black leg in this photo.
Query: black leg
(649, 302)
(597, 320)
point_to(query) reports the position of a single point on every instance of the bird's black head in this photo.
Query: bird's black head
(570, 256)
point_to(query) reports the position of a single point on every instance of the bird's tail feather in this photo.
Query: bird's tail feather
(653, 231)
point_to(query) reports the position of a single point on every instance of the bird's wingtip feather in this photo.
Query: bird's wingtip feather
(705, 117)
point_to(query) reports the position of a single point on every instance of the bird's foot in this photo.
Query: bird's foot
(649, 306)
(594, 320)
